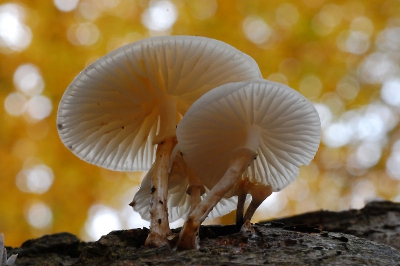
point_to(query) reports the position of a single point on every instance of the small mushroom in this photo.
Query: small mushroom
(121, 111)
(184, 193)
(246, 137)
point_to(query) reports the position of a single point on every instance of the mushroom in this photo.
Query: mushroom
(185, 192)
(121, 111)
(245, 137)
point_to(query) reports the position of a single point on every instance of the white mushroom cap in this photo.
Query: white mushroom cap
(275, 121)
(179, 202)
(119, 106)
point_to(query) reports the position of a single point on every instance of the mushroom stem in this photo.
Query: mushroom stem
(159, 226)
(258, 193)
(195, 189)
(195, 192)
(242, 158)
(251, 210)
(240, 210)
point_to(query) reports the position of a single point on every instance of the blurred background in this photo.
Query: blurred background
(342, 55)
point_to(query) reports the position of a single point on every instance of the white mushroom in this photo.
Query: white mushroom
(182, 198)
(257, 132)
(119, 107)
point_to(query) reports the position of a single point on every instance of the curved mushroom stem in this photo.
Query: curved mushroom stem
(195, 193)
(242, 158)
(258, 193)
(195, 189)
(240, 211)
(241, 189)
(159, 226)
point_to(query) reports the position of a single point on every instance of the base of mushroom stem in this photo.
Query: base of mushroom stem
(156, 240)
(247, 228)
(189, 236)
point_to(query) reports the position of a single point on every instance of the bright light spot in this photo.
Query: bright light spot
(366, 124)
(160, 16)
(89, 10)
(369, 126)
(28, 80)
(273, 204)
(39, 215)
(66, 5)
(334, 102)
(373, 123)
(325, 114)
(362, 24)
(354, 42)
(367, 155)
(37, 179)
(327, 19)
(256, 30)
(378, 68)
(83, 34)
(287, 15)
(363, 190)
(102, 220)
(39, 107)
(337, 135)
(311, 87)
(389, 39)
(87, 33)
(348, 88)
(390, 92)
(203, 9)
(136, 221)
(111, 3)
(357, 42)
(15, 103)
(330, 15)
(14, 35)
(393, 162)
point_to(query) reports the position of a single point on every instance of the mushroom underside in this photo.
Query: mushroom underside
(258, 131)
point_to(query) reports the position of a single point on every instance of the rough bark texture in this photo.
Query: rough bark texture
(299, 240)
(378, 221)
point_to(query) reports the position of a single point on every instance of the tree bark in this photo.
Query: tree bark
(318, 238)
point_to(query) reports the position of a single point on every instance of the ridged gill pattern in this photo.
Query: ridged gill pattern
(216, 125)
(109, 115)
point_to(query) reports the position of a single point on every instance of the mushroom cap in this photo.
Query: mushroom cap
(279, 123)
(178, 202)
(110, 114)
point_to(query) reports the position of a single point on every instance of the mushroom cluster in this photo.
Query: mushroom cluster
(121, 111)
(196, 114)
